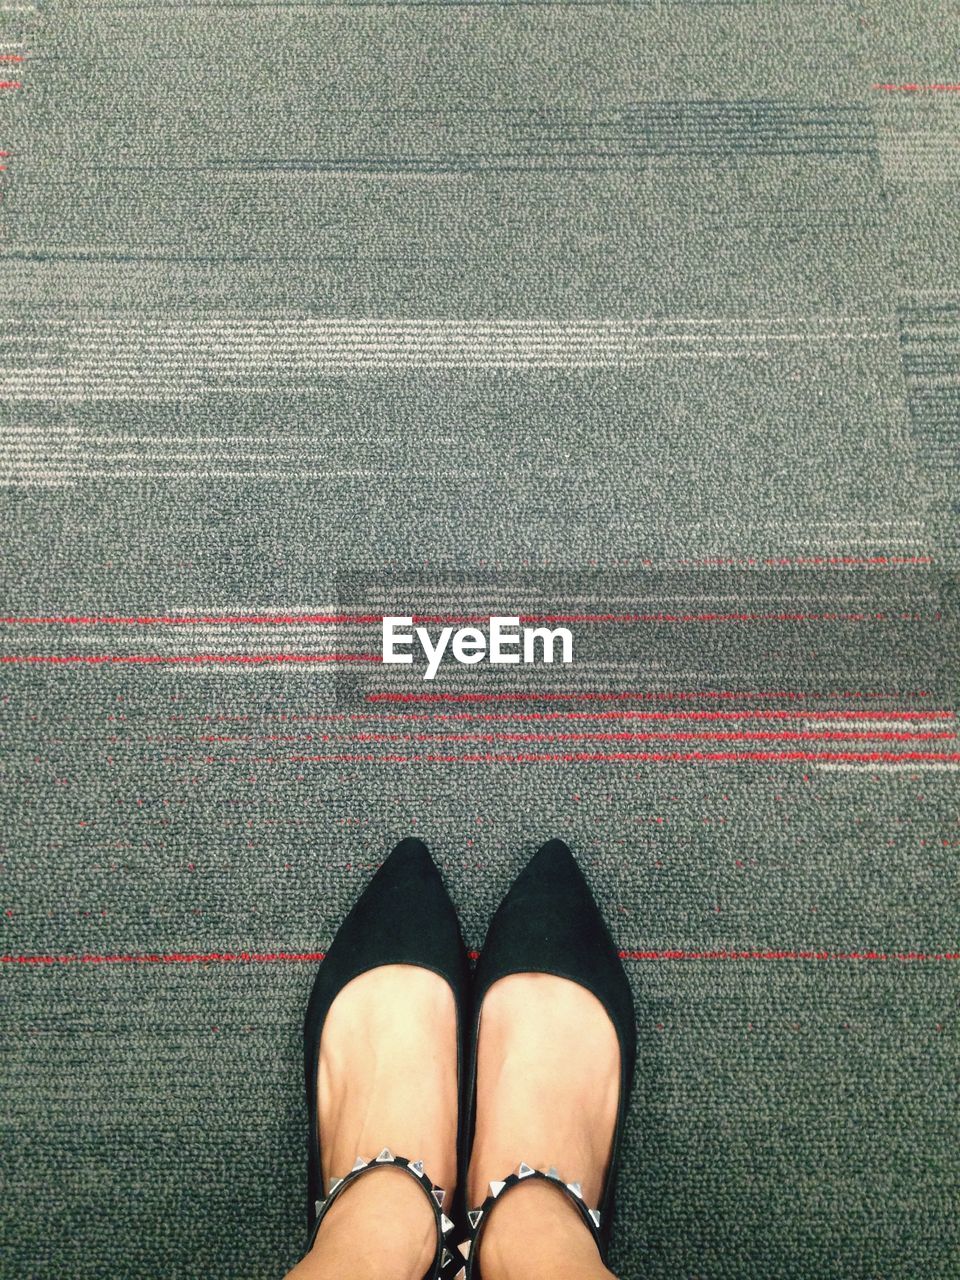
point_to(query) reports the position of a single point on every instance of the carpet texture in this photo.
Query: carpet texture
(641, 315)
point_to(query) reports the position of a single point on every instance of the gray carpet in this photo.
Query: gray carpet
(644, 315)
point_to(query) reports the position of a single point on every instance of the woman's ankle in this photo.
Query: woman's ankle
(534, 1231)
(380, 1228)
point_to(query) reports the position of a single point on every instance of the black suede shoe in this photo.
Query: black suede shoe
(549, 923)
(404, 916)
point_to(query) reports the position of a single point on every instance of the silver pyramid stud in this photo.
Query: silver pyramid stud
(446, 1258)
(317, 1206)
(333, 1185)
(416, 1166)
(438, 1194)
(385, 1156)
(474, 1216)
(524, 1171)
(595, 1217)
(446, 1226)
(553, 1172)
(465, 1248)
(576, 1188)
(461, 1274)
(359, 1163)
(496, 1188)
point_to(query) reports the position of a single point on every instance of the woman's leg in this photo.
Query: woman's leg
(534, 1233)
(381, 1228)
(387, 1078)
(548, 1082)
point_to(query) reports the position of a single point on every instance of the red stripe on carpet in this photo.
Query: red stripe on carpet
(312, 957)
(647, 757)
(919, 88)
(539, 717)
(157, 659)
(792, 695)
(673, 735)
(440, 619)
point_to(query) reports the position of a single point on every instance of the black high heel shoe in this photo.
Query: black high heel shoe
(549, 923)
(404, 916)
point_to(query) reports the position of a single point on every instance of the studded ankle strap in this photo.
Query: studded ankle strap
(477, 1218)
(446, 1259)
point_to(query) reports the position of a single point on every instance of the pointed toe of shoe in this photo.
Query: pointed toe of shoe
(408, 884)
(554, 870)
(404, 915)
(409, 860)
(553, 856)
(551, 894)
(410, 851)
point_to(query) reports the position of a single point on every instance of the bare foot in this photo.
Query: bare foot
(388, 1073)
(548, 1088)
(387, 1077)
